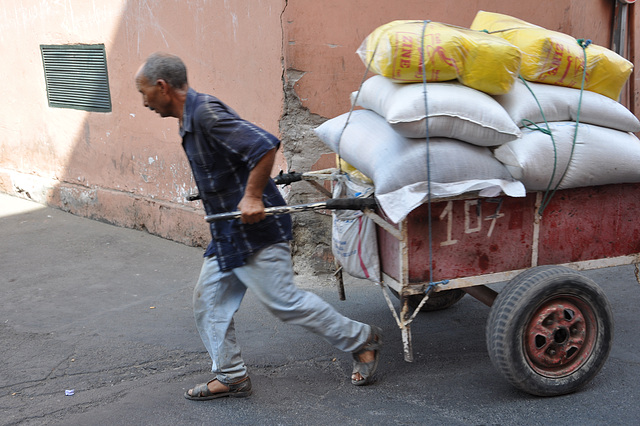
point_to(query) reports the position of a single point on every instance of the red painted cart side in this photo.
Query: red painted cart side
(481, 240)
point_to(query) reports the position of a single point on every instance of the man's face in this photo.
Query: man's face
(154, 96)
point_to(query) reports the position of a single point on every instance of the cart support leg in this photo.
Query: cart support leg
(405, 327)
(403, 324)
(340, 282)
(406, 343)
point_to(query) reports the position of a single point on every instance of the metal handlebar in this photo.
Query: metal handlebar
(331, 204)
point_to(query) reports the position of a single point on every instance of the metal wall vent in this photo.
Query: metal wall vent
(76, 76)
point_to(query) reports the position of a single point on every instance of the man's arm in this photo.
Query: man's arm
(251, 204)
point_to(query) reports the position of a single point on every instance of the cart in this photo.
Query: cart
(550, 329)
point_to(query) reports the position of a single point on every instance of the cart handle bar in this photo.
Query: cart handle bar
(281, 179)
(330, 204)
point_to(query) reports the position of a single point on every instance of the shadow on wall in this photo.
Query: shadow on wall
(127, 167)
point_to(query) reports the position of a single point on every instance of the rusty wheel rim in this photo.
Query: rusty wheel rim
(560, 336)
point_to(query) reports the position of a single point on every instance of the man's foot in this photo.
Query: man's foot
(366, 359)
(216, 389)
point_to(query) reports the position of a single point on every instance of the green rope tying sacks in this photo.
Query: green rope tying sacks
(549, 193)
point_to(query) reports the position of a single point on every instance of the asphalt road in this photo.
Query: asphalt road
(106, 312)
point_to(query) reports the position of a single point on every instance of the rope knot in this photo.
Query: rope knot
(584, 43)
(533, 126)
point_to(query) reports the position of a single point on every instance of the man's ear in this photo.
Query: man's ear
(164, 86)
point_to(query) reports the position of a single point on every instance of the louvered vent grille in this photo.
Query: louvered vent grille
(76, 77)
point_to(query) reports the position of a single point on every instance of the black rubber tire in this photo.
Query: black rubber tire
(437, 301)
(550, 331)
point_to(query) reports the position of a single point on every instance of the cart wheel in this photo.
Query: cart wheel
(550, 331)
(436, 301)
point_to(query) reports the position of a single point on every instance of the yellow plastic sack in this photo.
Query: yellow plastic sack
(352, 171)
(489, 66)
(478, 60)
(556, 58)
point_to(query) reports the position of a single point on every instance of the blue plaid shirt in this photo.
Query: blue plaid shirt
(222, 149)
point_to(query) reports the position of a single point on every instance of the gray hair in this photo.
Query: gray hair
(169, 68)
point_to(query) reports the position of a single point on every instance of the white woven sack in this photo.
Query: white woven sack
(354, 242)
(601, 156)
(455, 111)
(561, 104)
(398, 165)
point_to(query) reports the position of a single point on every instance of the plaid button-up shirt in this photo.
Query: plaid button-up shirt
(222, 149)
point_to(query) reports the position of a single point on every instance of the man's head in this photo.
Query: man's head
(162, 81)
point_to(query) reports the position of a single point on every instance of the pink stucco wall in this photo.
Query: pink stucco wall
(127, 166)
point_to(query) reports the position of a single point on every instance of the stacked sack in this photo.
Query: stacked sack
(386, 140)
(410, 51)
(600, 150)
(556, 58)
(476, 113)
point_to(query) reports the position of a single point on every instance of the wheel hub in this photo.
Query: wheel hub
(560, 337)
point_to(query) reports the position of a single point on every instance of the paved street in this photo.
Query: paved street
(106, 312)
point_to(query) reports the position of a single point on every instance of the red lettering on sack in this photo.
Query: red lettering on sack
(447, 60)
(406, 47)
(567, 69)
(556, 61)
(406, 43)
(418, 74)
(551, 68)
(404, 53)
(576, 76)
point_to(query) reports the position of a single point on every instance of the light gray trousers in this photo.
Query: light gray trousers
(269, 274)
